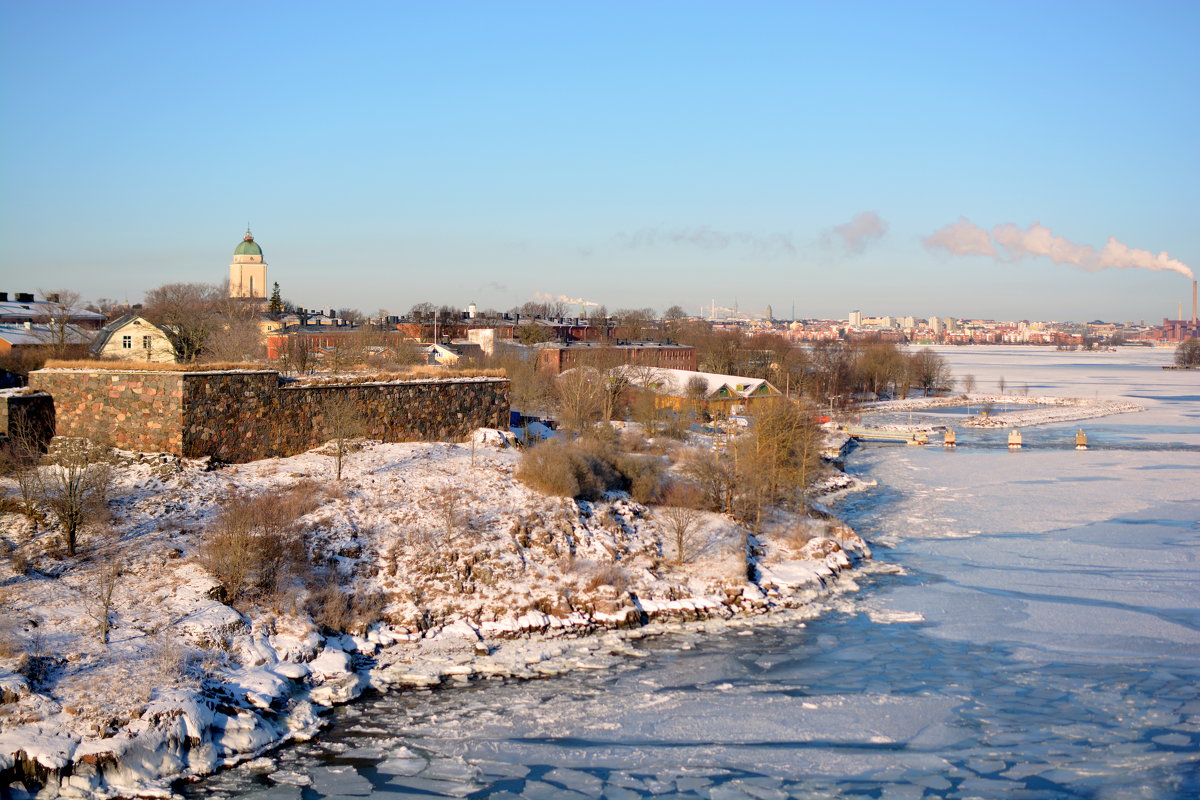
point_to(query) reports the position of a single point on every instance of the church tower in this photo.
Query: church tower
(248, 272)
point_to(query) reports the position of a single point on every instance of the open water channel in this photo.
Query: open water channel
(1039, 638)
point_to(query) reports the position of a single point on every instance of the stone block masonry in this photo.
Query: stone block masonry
(239, 416)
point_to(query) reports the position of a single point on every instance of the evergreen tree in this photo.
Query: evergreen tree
(276, 304)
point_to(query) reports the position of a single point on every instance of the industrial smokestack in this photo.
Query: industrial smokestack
(1193, 302)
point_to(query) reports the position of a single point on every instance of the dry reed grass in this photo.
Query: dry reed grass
(349, 377)
(149, 366)
(415, 373)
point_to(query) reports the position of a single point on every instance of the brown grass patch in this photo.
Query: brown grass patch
(414, 374)
(116, 365)
(418, 372)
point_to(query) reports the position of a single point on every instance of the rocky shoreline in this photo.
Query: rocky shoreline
(273, 675)
(183, 734)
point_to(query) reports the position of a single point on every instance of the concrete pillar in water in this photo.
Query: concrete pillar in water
(1081, 440)
(950, 440)
(1014, 439)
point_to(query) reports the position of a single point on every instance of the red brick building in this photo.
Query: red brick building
(557, 357)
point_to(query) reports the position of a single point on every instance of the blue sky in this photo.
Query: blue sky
(632, 154)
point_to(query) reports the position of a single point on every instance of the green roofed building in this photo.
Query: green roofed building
(248, 271)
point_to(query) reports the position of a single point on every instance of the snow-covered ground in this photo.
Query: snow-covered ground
(474, 574)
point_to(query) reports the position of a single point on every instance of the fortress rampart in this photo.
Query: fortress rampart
(239, 416)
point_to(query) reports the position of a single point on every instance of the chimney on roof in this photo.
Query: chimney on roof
(24, 297)
(3, 297)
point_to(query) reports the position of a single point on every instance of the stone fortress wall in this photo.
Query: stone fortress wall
(239, 416)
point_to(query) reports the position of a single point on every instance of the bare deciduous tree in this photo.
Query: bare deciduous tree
(298, 355)
(19, 457)
(928, 371)
(57, 331)
(344, 421)
(448, 507)
(189, 313)
(779, 459)
(98, 596)
(74, 485)
(681, 517)
(237, 335)
(634, 323)
(580, 397)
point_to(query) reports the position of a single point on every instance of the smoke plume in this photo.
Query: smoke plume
(545, 297)
(963, 238)
(1011, 242)
(865, 229)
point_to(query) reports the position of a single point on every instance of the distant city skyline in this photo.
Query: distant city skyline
(983, 160)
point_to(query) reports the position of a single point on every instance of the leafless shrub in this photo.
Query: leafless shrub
(337, 608)
(304, 497)
(681, 516)
(98, 596)
(609, 575)
(344, 421)
(448, 508)
(644, 474)
(796, 538)
(19, 457)
(714, 477)
(18, 558)
(256, 546)
(37, 664)
(74, 485)
(588, 467)
(11, 644)
(558, 468)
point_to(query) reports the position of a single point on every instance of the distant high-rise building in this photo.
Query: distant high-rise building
(908, 322)
(248, 272)
(935, 323)
(770, 313)
(855, 319)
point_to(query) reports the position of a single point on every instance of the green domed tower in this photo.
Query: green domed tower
(248, 272)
